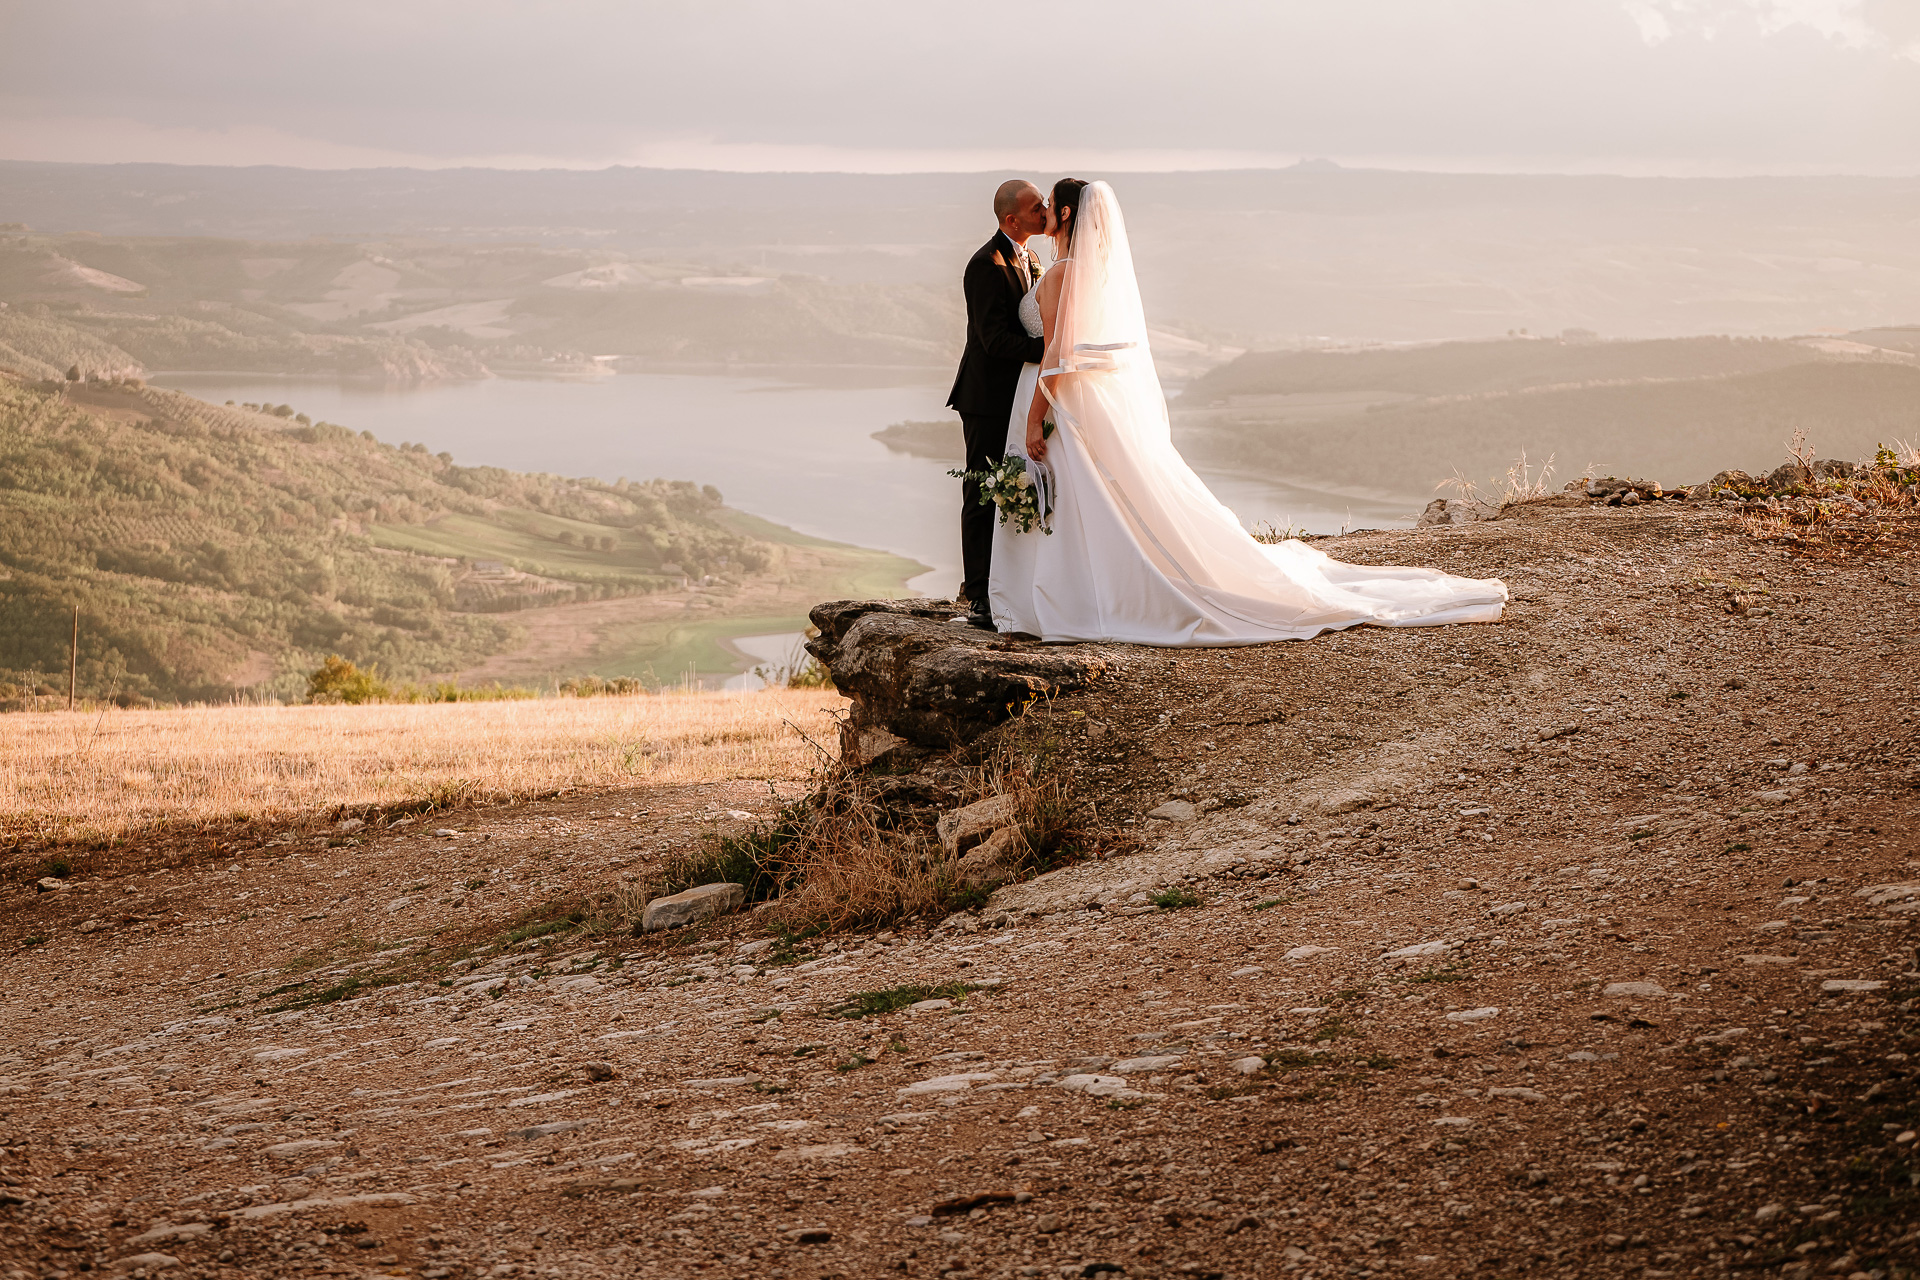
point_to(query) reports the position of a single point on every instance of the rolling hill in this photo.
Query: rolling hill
(223, 550)
(1399, 420)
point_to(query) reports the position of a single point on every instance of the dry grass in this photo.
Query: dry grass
(102, 775)
(1523, 483)
(841, 859)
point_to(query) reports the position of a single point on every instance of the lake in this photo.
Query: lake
(797, 453)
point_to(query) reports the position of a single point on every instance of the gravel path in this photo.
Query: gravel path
(1578, 945)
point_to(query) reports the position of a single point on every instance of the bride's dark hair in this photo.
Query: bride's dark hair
(1066, 195)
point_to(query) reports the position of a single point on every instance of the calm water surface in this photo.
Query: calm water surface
(799, 455)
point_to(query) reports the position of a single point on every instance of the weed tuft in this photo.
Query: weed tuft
(1176, 898)
(867, 1004)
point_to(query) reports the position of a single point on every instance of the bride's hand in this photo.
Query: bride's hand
(1036, 440)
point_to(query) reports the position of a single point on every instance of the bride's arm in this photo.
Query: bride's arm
(1038, 411)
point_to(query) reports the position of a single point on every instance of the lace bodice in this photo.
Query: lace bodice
(1030, 314)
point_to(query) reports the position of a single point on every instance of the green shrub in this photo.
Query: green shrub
(338, 680)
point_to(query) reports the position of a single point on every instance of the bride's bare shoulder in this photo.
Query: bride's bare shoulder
(1056, 276)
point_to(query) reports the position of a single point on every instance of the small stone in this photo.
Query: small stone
(1757, 959)
(968, 1203)
(1507, 909)
(1249, 1066)
(993, 861)
(598, 1070)
(810, 1235)
(1251, 971)
(295, 1150)
(1174, 811)
(147, 1261)
(1768, 1212)
(1851, 984)
(1344, 801)
(350, 824)
(1095, 1086)
(1473, 1015)
(1307, 953)
(446, 833)
(1048, 1223)
(50, 884)
(1157, 1062)
(964, 828)
(90, 926)
(948, 1084)
(929, 1006)
(1633, 989)
(685, 908)
(1517, 1091)
(1419, 951)
(547, 1130)
(168, 1231)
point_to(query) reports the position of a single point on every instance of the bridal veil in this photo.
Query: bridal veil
(1142, 551)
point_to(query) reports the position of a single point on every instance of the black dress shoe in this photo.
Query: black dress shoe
(982, 619)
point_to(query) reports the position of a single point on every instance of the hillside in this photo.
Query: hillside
(1674, 410)
(421, 310)
(215, 550)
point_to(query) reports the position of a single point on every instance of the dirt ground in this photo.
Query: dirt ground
(1578, 945)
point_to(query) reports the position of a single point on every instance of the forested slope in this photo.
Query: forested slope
(211, 549)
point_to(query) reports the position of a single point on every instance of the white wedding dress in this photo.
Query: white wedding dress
(1141, 551)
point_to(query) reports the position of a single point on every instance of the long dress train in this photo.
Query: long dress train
(1141, 551)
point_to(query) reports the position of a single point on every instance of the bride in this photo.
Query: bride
(1140, 550)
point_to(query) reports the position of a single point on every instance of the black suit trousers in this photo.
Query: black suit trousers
(986, 437)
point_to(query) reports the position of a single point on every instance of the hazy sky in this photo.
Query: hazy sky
(1632, 86)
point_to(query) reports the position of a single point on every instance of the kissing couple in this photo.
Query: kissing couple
(1114, 537)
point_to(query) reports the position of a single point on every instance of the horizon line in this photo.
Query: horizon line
(1306, 168)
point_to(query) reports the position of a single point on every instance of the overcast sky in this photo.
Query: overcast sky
(1627, 86)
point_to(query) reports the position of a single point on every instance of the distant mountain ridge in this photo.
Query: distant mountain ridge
(1675, 411)
(1248, 258)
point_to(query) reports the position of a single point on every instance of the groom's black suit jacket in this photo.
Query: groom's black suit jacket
(997, 344)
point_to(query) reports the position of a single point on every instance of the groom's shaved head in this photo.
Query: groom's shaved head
(1007, 199)
(1020, 210)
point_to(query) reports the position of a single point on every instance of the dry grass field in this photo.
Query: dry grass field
(103, 775)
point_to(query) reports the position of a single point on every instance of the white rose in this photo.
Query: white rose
(1026, 481)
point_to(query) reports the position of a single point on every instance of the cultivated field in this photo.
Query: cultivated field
(88, 775)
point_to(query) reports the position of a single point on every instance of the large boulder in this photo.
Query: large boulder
(915, 672)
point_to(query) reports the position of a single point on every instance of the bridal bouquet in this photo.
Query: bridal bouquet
(1020, 487)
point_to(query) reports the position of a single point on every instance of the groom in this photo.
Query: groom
(998, 276)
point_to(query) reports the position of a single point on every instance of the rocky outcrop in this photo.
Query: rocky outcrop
(920, 680)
